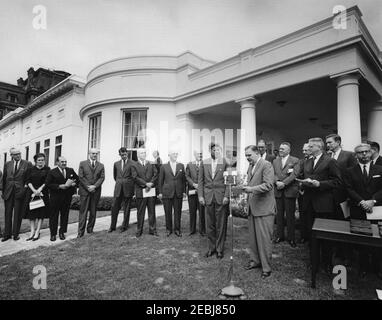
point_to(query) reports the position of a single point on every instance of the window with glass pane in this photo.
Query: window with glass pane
(134, 131)
(95, 131)
(58, 148)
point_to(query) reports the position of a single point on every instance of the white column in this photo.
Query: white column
(374, 124)
(348, 110)
(184, 140)
(248, 129)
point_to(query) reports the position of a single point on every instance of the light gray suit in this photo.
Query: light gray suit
(261, 208)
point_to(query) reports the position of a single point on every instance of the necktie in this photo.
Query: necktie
(64, 173)
(93, 164)
(16, 166)
(123, 164)
(314, 161)
(364, 172)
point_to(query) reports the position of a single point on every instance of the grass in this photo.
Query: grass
(119, 266)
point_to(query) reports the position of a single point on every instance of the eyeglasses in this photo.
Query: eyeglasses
(363, 152)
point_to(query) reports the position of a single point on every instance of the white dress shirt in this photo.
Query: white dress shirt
(284, 161)
(316, 160)
(173, 167)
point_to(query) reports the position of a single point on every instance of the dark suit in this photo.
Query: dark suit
(286, 197)
(192, 174)
(213, 190)
(319, 202)
(60, 199)
(172, 187)
(359, 189)
(345, 160)
(1, 188)
(269, 157)
(378, 161)
(142, 175)
(123, 192)
(14, 195)
(88, 200)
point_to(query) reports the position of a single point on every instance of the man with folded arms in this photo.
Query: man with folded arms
(62, 182)
(145, 175)
(364, 186)
(91, 174)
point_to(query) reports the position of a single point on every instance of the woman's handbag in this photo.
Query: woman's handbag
(35, 204)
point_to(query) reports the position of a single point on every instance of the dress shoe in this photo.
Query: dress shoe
(220, 255)
(80, 235)
(36, 238)
(168, 233)
(138, 234)
(15, 238)
(52, 238)
(154, 234)
(178, 234)
(278, 240)
(202, 234)
(61, 236)
(5, 239)
(191, 233)
(90, 231)
(30, 238)
(292, 244)
(265, 274)
(210, 253)
(122, 230)
(251, 265)
(110, 230)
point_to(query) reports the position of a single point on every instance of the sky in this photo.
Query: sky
(80, 34)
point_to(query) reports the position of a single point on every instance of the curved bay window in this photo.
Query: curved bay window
(134, 131)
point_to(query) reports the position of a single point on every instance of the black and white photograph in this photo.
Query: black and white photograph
(206, 151)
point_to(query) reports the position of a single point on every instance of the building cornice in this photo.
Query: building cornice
(53, 93)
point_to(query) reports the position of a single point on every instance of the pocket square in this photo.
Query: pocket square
(377, 176)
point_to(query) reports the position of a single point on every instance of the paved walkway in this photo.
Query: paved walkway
(103, 223)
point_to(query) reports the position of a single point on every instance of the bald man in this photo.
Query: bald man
(14, 193)
(91, 174)
(62, 182)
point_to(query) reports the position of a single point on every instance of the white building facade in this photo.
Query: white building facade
(313, 82)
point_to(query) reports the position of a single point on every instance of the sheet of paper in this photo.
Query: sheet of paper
(149, 194)
(345, 209)
(376, 214)
(191, 192)
(379, 294)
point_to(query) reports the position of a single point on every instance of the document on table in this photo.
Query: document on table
(345, 209)
(376, 214)
(148, 194)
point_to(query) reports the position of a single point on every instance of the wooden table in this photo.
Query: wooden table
(339, 231)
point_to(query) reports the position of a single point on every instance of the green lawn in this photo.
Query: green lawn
(119, 266)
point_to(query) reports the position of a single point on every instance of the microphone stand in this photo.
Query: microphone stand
(231, 290)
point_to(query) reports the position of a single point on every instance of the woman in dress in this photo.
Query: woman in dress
(35, 179)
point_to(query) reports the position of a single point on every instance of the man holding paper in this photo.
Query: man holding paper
(192, 174)
(62, 182)
(320, 177)
(145, 175)
(364, 186)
